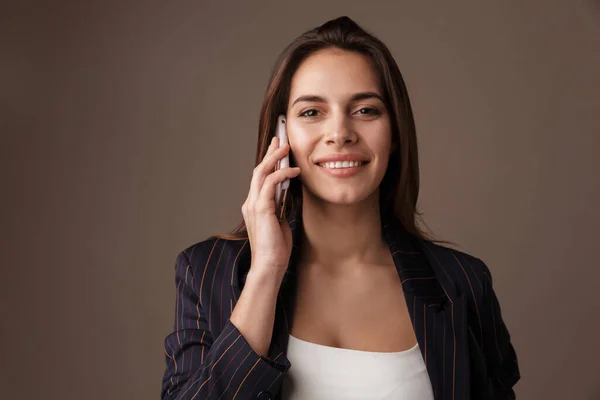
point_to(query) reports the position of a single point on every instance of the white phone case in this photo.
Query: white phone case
(281, 189)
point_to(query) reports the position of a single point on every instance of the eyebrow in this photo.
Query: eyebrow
(355, 97)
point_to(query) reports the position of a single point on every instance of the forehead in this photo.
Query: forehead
(334, 74)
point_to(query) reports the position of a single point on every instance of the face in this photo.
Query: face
(336, 109)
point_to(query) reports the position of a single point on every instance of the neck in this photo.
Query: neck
(341, 237)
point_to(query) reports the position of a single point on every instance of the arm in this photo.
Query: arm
(500, 354)
(200, 366)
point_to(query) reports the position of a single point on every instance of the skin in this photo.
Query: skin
(349, 292)
(340, 215)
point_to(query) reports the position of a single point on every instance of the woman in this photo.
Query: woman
(346, 297)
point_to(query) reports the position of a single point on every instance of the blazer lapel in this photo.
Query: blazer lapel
(444, 333)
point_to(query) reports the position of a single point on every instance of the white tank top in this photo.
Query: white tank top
(321, 372)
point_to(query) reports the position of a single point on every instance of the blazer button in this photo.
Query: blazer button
(264, 395)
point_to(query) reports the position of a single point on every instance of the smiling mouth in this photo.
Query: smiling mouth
(342, 164)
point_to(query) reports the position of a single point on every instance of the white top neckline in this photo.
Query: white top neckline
(354, 351)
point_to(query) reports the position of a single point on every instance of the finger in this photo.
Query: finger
(265, 168)
(269, 161)
(272, 146)
(266, 200)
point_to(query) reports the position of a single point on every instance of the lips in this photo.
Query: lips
(341, 164)
(342, 172)
(341, 157)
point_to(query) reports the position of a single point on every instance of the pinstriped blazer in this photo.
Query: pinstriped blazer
(452, 305)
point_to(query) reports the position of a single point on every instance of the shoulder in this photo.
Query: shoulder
(204, 258)
(468, 272)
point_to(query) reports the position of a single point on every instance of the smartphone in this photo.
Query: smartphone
(282, 188)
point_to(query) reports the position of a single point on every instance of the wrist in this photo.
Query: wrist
(264, 277)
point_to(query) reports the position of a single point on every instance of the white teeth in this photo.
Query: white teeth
(341, 164)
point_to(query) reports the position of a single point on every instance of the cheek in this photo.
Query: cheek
(383, 143)
(381, 148)
(300, 159)
(300, 150)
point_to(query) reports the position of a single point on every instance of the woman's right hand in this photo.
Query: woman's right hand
(270, 240)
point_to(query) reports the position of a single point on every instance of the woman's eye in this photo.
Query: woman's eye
(362, 111)
(307, 111)
(371, 111)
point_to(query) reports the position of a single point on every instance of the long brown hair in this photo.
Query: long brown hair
(399, 188)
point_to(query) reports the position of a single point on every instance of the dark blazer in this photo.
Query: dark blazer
(454, 311)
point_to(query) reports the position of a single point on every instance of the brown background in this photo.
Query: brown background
(128, 134)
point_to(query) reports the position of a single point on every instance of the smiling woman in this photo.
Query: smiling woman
(340, 74)
(346, 297)
(342, 118)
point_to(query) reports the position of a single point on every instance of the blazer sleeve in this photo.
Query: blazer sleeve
(500, 354)
(200, 365)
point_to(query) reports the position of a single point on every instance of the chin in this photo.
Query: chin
(341, 194)
(345, 198)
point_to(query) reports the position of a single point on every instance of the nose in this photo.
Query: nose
(340, 132)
